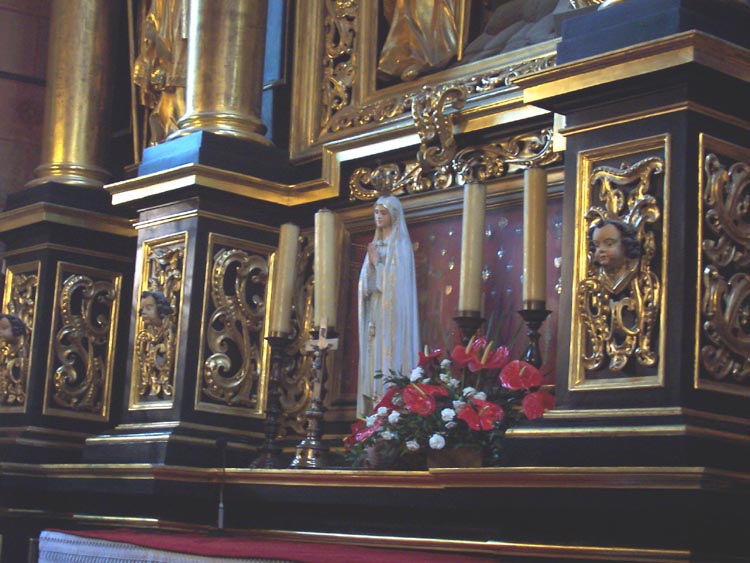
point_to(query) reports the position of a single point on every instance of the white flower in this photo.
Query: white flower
(393, 417)
(450, 425)
(445, 364)
(382, 411)
(452, 383)
(458, 406)
(447, 414)
(387, 435)
(437, 442)
(480, 395)
(370, 420)
(468, 392)
(416, 374)
(445, 377)
(412, 445)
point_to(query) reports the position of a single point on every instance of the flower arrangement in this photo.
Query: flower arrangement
(468, 400)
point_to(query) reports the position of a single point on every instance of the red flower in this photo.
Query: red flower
(387, 400)
(480, 414)
(427, 357)
(535, 404)
(520, 375)
(360, 432)
(479, 355)
(420, 399)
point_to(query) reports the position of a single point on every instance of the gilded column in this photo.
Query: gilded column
(225, 68)
(78, 93)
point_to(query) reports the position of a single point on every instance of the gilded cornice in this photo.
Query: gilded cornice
(62, 215)
(637, 60)
(222, 180)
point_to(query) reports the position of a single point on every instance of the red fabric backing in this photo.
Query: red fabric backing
(304, 552)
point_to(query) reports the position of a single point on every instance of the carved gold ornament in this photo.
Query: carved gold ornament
(158, 317)
(725, 307)
(339, 63)
(619, 308)
(231, 374)
(82, 346)
(19, 301)
(439, 163)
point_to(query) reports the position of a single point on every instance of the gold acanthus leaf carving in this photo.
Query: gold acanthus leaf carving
(725, 303)
(23, 297)
(482, 163)
(620, 312)
(81, 345)
(14, 371)
(235, 328)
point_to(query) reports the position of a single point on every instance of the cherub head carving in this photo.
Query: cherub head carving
(12, 328)
(154, 309)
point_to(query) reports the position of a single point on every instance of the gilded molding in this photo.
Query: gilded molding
(157, 334)
(19, 299)
(82, 344)
(724, 333)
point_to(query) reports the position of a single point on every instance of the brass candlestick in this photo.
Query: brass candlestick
(534, 315)
(468, 323)
(270, 452)
(312, 452)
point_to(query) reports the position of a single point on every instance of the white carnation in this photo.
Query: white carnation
(480, 395)
(370, 420)
(458, 406)
(393, 417)
(412, 445)
(447, 414)
(437, 442)
(387, 435)
(445, 364)
(416, 374)
(469, 392)
(382, 411)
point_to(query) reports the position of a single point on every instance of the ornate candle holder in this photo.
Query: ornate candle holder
(468, 323)
(312, 452)
(534, 314)
(270, 452)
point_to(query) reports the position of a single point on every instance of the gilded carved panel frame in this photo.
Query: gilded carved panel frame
(621, 182)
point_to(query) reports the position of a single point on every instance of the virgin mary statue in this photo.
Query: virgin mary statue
(388, 318)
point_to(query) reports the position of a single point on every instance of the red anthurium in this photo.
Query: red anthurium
(520, 375)
(461, 355)
(427, 357)
(480, 414)
(387, 400)
(535, 404)
(491, 359)
(420, 399)
(360, 432)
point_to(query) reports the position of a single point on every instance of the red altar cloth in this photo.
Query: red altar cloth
(245, 547)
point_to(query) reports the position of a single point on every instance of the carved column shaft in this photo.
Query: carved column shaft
(78, 93)
(225, 68)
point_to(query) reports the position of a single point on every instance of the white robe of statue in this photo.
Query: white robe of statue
(388, 318)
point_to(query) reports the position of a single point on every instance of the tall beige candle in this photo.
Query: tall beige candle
(282, 291)
(472, 237)
(325, 267)
(534, 237)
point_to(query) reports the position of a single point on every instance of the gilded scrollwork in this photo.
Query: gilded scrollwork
(725, 307)
(619, 299)
(156, 330)
(82, 346)
(15, 335)
(483, 163)
(231, 374)
(339, 63)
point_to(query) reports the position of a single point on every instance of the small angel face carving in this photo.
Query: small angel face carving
(11, 328)
(615, 248)
(154, 308)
